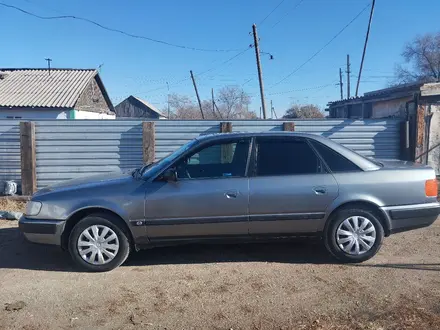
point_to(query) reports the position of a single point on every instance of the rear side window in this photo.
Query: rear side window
(285, 157)
(334, 160)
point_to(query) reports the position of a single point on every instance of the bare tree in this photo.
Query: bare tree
(232, 103)
(422, 60)
(309, 111)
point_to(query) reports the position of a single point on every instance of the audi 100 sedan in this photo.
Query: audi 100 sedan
(239, 186)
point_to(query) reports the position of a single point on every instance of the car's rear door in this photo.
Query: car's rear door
(290, 188)
(209, 198)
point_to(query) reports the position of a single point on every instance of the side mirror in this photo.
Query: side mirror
(170, 175)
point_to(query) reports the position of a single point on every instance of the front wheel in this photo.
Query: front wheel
(354, 235)
(98, 244)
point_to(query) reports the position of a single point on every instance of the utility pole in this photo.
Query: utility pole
(348, 76)
(341, 84)
(168, 100)
(260, 72)
(365, 47)
(272, 111)
(48, 63)
(197, 93)
(213, 102)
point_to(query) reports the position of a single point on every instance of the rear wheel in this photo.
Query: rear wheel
(98, 244)
(354, 235)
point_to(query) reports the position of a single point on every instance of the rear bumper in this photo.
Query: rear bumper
(408, 217)
(42, 231)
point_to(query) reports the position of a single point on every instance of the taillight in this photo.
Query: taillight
(431, 188)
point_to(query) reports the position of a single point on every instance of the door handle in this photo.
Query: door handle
(320, 190)
(231, 194)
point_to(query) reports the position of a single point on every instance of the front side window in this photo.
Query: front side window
(218, 160)
(286, 157)
(335, 161)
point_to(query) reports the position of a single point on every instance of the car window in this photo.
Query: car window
(218, 160)
(285, 157)
(335, 161)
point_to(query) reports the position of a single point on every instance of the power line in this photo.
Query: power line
(288, 13)
(201, 73)
(247, 81)
(259, 24)
(116, 30)
(305, 89)
(322, 48)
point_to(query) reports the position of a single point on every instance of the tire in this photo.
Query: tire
(117, 243)
(346, 253)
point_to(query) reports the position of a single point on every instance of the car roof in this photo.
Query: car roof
(217, 136)
(361, 161)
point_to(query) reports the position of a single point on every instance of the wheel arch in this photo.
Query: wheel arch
(82, 213)
(363, 204)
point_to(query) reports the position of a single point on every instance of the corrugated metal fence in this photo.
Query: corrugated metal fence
(10, 151)
(68, 149)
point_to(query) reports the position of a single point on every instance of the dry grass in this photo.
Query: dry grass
(7, 204)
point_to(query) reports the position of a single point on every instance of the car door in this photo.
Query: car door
(290, 188)
(209, 198)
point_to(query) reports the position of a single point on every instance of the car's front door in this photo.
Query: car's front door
(290, 189)
(209, 198)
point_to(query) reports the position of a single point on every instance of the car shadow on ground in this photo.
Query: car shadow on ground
(17, 253)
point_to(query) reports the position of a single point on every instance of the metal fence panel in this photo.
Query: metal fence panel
(372, 138)
(70, 149)
(378, 138)
(170, 135)
(10, 163)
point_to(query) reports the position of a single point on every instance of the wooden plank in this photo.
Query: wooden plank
(226, 127)
(28, 158)
(226, 149)
(148, 142)
(420, 131)
(289, 126)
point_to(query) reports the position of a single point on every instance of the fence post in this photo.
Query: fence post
(148, 142)
(289, 126)
(226, 127)
(404, 140)
(226, 149)
(28, 158)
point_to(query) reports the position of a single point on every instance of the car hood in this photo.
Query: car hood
(87, 182)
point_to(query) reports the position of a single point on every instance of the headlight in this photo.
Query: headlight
(33, 208)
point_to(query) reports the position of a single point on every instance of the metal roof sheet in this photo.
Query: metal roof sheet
(37, 88)
(152, 107)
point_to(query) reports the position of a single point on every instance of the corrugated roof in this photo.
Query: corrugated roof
(403, 88)
(37, 88)
(152, 107)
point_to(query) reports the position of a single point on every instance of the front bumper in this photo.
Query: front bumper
(42, 231)
(408, 217)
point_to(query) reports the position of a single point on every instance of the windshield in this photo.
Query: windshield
(168, 159)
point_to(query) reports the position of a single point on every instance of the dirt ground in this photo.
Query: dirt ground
(7, 204)
(265, 286)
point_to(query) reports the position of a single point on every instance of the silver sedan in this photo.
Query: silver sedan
(239, 186)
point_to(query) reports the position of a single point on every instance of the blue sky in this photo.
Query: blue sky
(292, 35)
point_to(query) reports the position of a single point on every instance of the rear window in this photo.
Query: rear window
(335, 161)
(285, 157)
